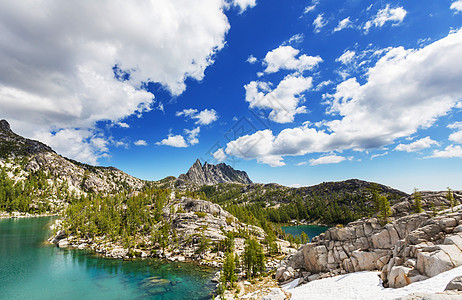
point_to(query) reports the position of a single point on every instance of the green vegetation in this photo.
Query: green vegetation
(253, 258)
(384, 209)
(417, 201)
(451, 199)
(120, 216)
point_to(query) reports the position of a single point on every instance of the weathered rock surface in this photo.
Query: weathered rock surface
(454, 284)
(208, 174)
(409, 249)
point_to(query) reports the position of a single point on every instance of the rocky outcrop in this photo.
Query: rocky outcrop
(208, 174)
(409, 249)
(431, 202)
(25, 155)
(433, 248)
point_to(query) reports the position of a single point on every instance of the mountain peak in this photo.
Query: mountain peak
(4, 125)
(209, 174)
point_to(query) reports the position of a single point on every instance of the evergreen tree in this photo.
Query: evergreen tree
(451, 199)
(417, 201)
(254, 258)
(304, 238)
(384, 209)
(228, 274)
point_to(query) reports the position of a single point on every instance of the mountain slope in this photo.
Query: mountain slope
(20, 157)
(208, 174)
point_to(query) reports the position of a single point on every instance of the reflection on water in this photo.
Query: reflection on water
(29, 269)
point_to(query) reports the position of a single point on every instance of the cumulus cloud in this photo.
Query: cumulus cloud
(219, 155)
(457, 6)
(450, 151)
(456, 136)
(140, 143)
(123, 125)
(328, 159)
(284, 58)
(204, 117)
(421, 144)
(243, 4)
(295, 39)
(345, 23)
(251, 59)
(176, 141)
(60, 71)
(82, 145)
(394, 15)
(405, 91)
(193, 135)
(346, 57)
(319, 23)
(283, 101)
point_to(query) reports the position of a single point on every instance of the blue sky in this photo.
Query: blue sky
(293, 92)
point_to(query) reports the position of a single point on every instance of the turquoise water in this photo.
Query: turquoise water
(310, 230)
(30, 269)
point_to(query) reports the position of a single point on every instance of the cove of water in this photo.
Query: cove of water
(31, 269)
(310, 230)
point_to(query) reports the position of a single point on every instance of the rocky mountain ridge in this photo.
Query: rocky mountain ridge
(21, 157)
(209, 174)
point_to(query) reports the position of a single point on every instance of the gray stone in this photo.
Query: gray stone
(455, 284)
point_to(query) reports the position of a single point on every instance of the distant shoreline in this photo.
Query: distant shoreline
(16, 214)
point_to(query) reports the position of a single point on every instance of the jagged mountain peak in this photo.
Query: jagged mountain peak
(4, 125)
(209, 174)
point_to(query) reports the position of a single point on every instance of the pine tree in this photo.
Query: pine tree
(228, 274)
(254, 258)
(451, 199)
(304, 238)
(384, 209)
(417, 201)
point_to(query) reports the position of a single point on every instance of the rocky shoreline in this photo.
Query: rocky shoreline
(16, 214)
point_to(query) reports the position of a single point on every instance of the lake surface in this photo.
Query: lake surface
(30, 269)
(310, 230)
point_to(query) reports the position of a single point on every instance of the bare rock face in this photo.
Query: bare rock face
(409, 249)
(208, 174)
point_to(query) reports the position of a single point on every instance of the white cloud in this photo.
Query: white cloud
(219, 155)
(456, 136)
(243, 4)
(123, 125)
(457, 6)
(311, 7)
(421, 144)
(284, 58)
(283, 101)
(251, 59)
(345, 23)
(319, 23)
(379, 155)
(295, 39)
(141, 143)
(329, 159)
(193, 135)
(82, 145)
(346, 57)
(387, 14)
(323, 84)
(174, 141)
(205, 117)
(425, 85)
(450, 151)
(57, 58)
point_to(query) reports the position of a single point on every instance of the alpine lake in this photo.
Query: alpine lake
(30, 268)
